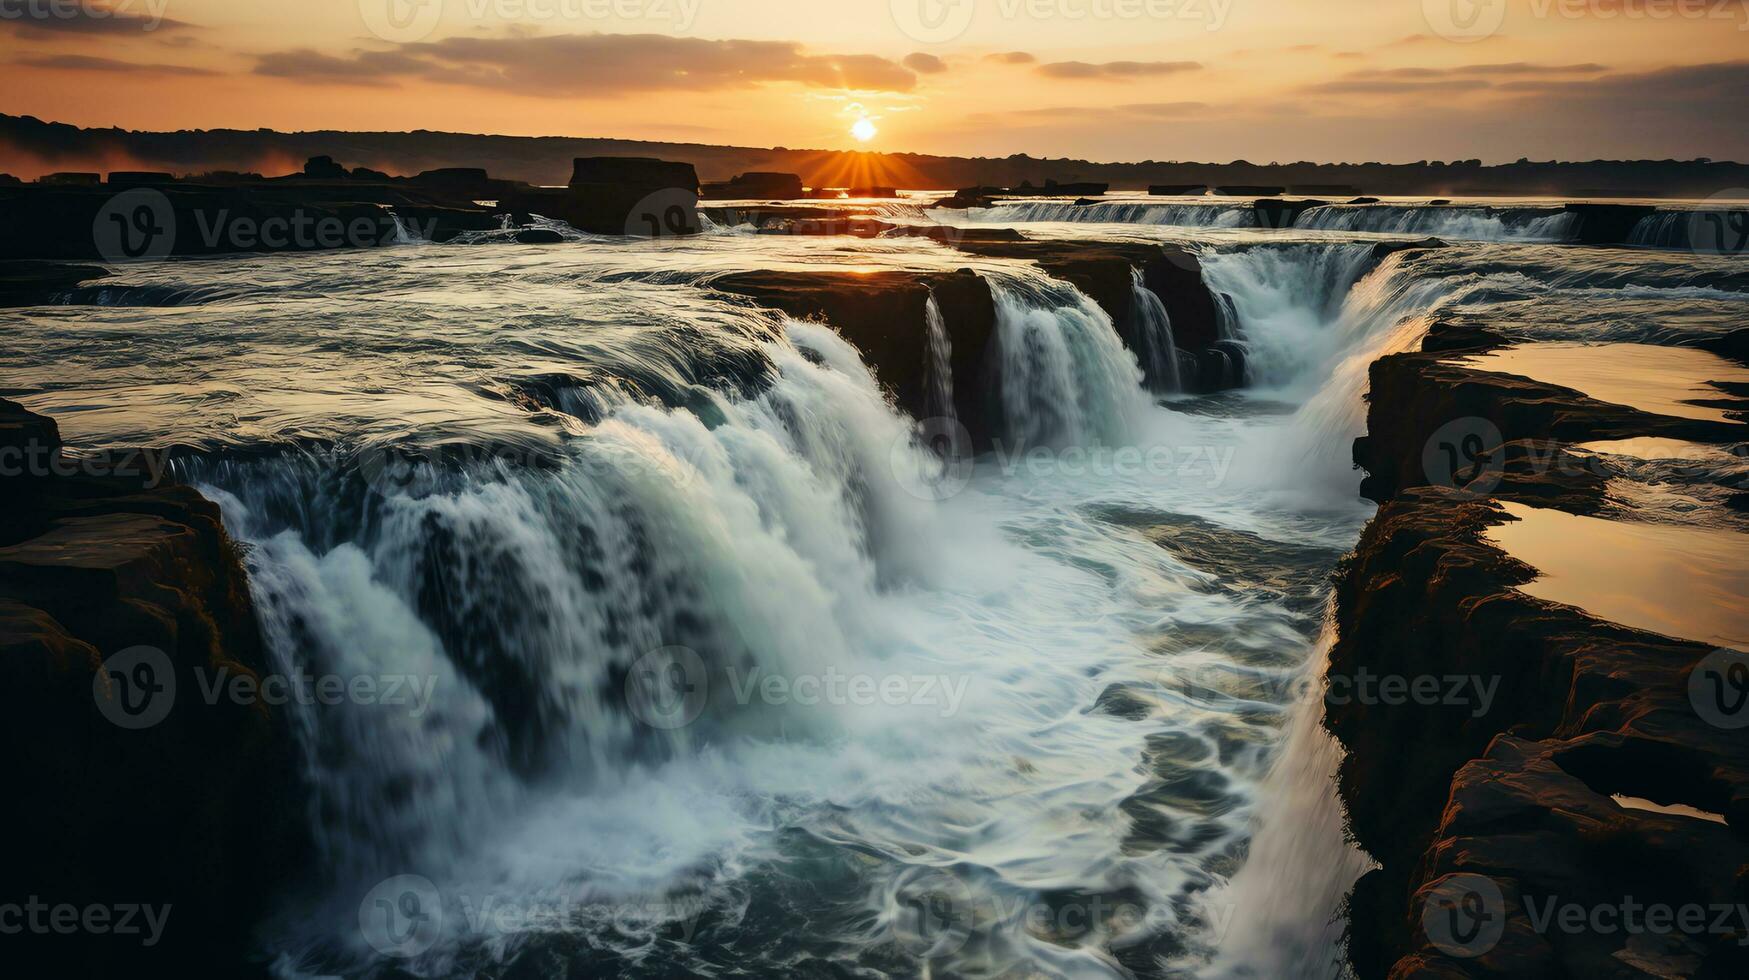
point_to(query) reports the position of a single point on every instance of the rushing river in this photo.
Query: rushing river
(716, 670)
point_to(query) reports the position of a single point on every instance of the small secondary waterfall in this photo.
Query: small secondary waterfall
(1065, 376)
(1283, 909)
(1287, 297)
(938, 364)
(1706, 230)
(1214, 215)
(1470, 223)
(1153, 334)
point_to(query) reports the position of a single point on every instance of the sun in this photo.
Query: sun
(864, 130)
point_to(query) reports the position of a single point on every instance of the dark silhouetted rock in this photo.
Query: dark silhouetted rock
(539, 236)
(760, 185)
(1248, 190)
(1178, 190)
(35, 283)
(1606, 224)
(365, 173)
(139, 178)
(1283, 214)
(467, 181)
(71, 179)
(635, 173)
(323, 168)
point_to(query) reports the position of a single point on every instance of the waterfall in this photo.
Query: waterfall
(1709, 231)
(1283, 908)
(1288, 298)
(938, 365)
(1153, 336)
(1470, 223)
(1119, 212)
(759, 534)
(405, 234)
(1065, 375)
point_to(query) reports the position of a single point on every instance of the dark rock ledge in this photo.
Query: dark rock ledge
(199, 811)
(1453, 802)
(883, 315)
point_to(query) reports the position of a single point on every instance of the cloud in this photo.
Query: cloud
(1012, 58)
(79, 62)
(925, 64)
(595, 65)
(1398, 87)
(1519, 68)
(1115, 69)
(1132, 112)
(40, 20)
(1463, 78)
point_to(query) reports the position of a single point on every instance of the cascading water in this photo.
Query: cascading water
(1158, 351)
(1468, 223)
(698, 482)
(1133, 213)
(1065, 376)
(938, 365)
(1287, 297)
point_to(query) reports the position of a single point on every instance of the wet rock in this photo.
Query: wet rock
(539, 236)
(1504, 804)
(1415, 396)
(24, 283)
(1606, 224)
(1103, 270)
(1283, 214)
(883, 314)
(198, 807)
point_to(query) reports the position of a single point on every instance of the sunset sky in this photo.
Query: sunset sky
(1264, 80)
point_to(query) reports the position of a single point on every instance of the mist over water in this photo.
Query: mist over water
(545, 482)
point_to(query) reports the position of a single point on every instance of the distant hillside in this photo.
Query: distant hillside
(30, 147)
